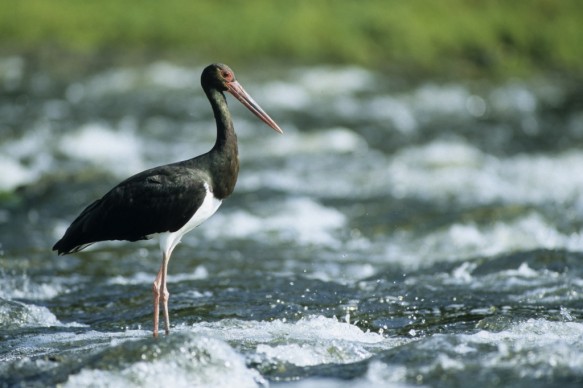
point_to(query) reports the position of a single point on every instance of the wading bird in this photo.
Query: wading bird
(170, 200)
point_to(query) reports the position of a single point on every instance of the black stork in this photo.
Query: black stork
(170, 200)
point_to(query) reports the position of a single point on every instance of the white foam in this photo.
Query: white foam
(312, 328)
(528, 232)
(136, 278)
(441, 99)
(365, 175)
(334, 140)
(394, 110)
(37, 344)
(285, 95)
(117, 151)
(13, 173)
(113, 81)
(17, 315)
(171, 76)
(24, 160)
(22, 287)
(300, 354)
(523, 284)
(513, 97)
(311, 85)
(332, 81)
(301, 220)
(312, 340)
(378, 375)
(408, 110)
(463, 273)
(441, 171)
(536, 347)
(197, 362)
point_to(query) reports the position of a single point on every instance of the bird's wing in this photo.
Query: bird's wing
(158, 200)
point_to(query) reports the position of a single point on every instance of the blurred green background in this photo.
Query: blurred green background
(452, 38)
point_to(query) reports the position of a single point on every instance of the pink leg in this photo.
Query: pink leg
(161, 294)
(164, 298)
(157, 301)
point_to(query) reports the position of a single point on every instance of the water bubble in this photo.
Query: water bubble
(566, 314)
(476, 106)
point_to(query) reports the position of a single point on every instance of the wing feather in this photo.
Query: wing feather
(158, 200)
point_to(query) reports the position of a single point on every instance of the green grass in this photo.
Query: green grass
(448, 37)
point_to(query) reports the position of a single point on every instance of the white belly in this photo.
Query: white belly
(169, 240)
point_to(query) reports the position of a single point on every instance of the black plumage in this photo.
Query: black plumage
(158, 200)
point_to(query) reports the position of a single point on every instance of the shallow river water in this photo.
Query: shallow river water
(397, 234)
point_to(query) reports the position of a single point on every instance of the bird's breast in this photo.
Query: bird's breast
(208, 207)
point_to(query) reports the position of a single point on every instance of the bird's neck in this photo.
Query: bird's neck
(226, 137)
(224, 156)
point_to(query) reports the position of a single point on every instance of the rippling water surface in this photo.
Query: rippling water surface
(397, 234)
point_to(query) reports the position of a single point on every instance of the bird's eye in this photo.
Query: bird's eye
(227, 75)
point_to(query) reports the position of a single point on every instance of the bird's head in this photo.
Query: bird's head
(220, 77)
(217, 76)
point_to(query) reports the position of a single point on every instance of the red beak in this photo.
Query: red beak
(240, 94)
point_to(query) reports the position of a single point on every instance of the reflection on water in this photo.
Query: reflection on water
(405, 234)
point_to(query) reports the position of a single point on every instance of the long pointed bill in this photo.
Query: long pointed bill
(240, 94)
